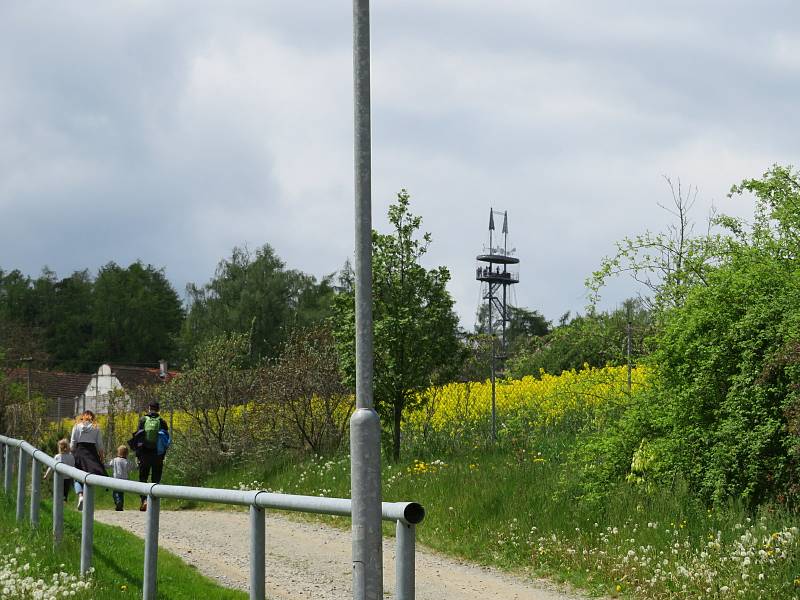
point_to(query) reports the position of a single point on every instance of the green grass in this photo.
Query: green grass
(511, 509)
(118, 559)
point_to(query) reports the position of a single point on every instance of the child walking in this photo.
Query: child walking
(122, 469)
(63, 456)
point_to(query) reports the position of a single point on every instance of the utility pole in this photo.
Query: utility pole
(628, 350)
(163, 372)
(365, 425)
(29, 360)
(97, 392)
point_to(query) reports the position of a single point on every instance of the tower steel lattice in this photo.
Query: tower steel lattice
(496, 270)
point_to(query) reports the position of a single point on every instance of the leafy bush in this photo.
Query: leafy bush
(304, 391)
(723, 412)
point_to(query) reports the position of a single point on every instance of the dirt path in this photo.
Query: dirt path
(312, 560)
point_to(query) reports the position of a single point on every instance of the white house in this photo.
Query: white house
(115, 380)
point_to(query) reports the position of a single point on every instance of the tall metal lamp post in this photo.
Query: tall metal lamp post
(365, 426)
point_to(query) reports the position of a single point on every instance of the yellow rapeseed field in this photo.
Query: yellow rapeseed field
(547, 400)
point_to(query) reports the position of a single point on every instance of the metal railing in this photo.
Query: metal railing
(406, 515)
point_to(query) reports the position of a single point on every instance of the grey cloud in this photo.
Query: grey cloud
(173, 131)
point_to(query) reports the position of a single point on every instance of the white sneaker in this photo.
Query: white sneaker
(80, 501)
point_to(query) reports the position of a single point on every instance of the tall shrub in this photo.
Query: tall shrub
(728, 371)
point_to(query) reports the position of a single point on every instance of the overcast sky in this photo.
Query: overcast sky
(173, 131)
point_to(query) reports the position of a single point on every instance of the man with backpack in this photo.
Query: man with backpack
(150, 442)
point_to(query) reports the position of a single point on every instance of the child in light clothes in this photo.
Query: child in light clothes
(63, 456)
(122, 469)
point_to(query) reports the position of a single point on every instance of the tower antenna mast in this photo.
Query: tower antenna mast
(496, 270)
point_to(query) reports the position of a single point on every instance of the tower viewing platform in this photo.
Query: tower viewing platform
(496, 269)
(496, 272)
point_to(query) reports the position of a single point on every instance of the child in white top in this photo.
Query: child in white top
(122, 468)
(63, 456)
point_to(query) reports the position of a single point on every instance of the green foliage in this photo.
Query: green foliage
(69, 320)
(117, 559)
(136, 315)
(125, 315)
(669, 263)
(415, 329)
(477, 352)
(515, 515)
(596, 339)
(208, 392)
(723, 410)
(255, 293)
(522, 327)
(218, 383)
(727, 360)
(132, 315)
(305, 389)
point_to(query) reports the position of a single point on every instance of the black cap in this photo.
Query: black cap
(154, 406)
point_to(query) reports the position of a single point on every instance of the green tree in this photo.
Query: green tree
(304, 387)
(477, 357)
(218, 379)
(68, 321)
(523, 325)
(125, 315)
(728, 357)
(253, 292)
(723, 409)
(17, 298)
(136, 315)
(596, 339)
(415, 329)
(669, 263)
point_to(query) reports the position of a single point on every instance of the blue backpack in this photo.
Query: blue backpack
(163, 443)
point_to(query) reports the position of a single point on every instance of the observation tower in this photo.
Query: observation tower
(497, 269)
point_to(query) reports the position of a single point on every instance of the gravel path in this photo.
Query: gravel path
(312, 560)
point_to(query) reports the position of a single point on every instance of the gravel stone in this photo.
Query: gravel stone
(308, 560)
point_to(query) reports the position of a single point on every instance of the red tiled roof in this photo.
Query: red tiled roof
(132, 377)
(51, 384)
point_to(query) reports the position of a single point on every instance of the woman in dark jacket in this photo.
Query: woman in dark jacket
(86, 442)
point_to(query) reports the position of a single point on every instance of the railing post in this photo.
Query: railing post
(58, 508)
(36, 491)
(9, 465)
(404, 562)
(22, 471)
(87, 528)
(257, 553)
(151, 549)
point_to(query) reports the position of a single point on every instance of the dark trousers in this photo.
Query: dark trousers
(119, 499)
(67, 488)
(150, 461)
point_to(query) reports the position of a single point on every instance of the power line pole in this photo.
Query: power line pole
(628, 351)
(365, 425)
(29, 360)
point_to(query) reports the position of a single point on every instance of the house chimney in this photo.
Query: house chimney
(162, 365)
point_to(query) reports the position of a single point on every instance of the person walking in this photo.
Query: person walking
(122, 468)
(86, 442)
(63, 456)
(149, 452)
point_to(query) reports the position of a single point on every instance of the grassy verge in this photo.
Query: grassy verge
(509, 509)
(29, 566)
